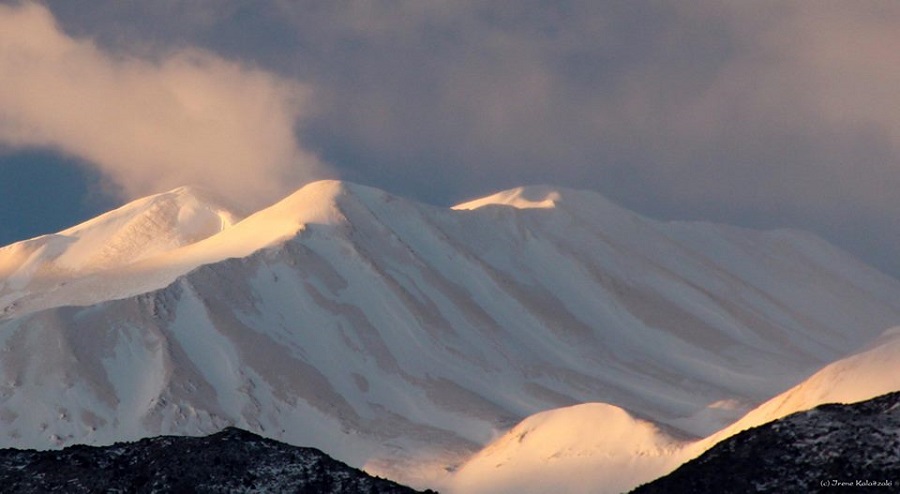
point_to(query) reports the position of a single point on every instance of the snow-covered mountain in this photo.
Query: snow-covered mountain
(404, 337)
(98, 260)
(591, 447)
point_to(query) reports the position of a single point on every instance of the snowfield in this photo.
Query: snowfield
(404, 338)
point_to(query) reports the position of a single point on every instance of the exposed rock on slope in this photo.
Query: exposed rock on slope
(831, 447)
(228, 462)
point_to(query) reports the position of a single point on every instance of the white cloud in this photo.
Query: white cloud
(187, 117)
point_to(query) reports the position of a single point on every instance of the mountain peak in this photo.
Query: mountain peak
(140, 230)
(526, 197)
(144, 228)
(319, 202)
(313, 203)
(163, 203)
(578, 202)
(606, 437)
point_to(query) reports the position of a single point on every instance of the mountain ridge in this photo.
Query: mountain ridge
(231, 460)
(39, 273)
(832, 446)
(404, 337)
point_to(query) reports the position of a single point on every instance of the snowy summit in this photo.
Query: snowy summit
(410, 340)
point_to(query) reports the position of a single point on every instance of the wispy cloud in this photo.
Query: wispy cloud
(149, 124)
(756, 113)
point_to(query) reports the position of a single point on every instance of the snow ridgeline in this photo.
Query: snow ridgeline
(404, 337)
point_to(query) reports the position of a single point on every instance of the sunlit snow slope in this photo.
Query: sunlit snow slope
(95, 261)
(591, 447)
(873, 371)
(600, 449)
(404, 337)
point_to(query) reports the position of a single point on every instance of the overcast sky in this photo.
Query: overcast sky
(760, 114)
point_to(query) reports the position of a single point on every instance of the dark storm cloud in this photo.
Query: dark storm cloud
(756, 113)
(478, 95)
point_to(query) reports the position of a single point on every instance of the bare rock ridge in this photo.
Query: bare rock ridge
(403, 337)
(229, 461)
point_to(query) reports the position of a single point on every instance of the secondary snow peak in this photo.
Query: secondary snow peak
(109, 244)
(529, 197)
(136, 231)
(583, 204)
(602, 439)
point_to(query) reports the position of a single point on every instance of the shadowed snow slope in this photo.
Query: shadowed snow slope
(403, 337)
(873, 371)
(586, 448)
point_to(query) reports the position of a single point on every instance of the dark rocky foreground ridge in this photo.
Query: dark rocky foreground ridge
(230, 461)
(831, 448)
